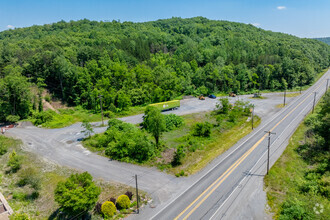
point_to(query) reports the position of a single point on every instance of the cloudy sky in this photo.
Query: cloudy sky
(303, 18)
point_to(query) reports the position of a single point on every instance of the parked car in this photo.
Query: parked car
(212, 96)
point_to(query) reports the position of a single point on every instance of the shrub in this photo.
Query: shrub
(108, 209)
(109, 114)
(12, 118)
(292, 210)
(123, 202)
(14, 162)
(3, 149)
(77, 194)
(173, 121)
(223, 106)
(19, 216)
(43, 117)
(202, 129)
(47, 98)
(178, 156)
(112, 200)
(98, 208)
(29, 176)
(129, 194)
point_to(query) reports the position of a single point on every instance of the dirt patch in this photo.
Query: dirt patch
(167, 156)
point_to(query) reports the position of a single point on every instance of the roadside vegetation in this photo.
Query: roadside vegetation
(134, 64)
(164, 142)
(40, 189)
(298, 184)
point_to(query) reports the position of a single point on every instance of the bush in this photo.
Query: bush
(123, 202)
(112, 200)
(173, 121)
(77, 194)
(129, 194)
(223, 106)
(178, 156)
(98, 208)
(19, 216)
(109, 114)
(108, 209)
(14, 162)
(43, 117)
(202, 129)
(47, 98)
(3, 149)
(30, 176)
(292, 210)
(12, 118)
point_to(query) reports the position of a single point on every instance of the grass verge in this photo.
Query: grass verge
(295, 185)
(203, 151)
(40, 204)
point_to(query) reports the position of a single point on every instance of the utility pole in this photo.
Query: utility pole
(284, 97)
(326, 89)
(314, 102)
(269, 133)
(137, 195)
(252, 115)
(100, 96)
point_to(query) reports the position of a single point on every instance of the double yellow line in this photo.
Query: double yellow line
(224, 176)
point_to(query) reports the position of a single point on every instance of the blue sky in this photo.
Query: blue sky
(303, 18)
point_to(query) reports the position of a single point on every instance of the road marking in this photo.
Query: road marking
(234, 166)
(255, 166)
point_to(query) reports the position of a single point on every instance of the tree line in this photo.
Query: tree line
(132, 64)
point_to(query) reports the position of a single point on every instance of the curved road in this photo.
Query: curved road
(63, 147)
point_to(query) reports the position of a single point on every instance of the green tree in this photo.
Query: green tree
(88, 128)
(77, 194)
(223, 106)
(154, 122)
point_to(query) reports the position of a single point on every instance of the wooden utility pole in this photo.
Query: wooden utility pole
(314, 102)
(269, 133)
(326, 89)
(284, 98)
(137, 195)
(252, 116)
(100, 96)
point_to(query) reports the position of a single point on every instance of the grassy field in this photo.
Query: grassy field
(200, 151)
(288, 180)
(41, 205)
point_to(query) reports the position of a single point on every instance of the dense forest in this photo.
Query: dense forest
(324, 39)
(133, 64)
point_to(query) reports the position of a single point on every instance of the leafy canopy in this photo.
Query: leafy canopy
(77, 194)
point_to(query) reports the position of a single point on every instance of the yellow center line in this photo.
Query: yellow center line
(234, 166)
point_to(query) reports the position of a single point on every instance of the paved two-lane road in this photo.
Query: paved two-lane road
(208, 197)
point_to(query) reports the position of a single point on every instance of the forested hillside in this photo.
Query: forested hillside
(324, 39)
(139, 63)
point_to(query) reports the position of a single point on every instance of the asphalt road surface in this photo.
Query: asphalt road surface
(63, 146)
(213, 195)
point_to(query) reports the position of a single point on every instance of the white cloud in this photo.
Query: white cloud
(10, 26)
(256, 24)
(281, 7)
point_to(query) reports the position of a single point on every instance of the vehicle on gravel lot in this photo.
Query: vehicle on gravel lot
(170, 105)
(232, 94)
(212, 96)
(201, 97)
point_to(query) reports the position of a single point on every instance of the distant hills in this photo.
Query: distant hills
(133, 64)
(324, 39)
